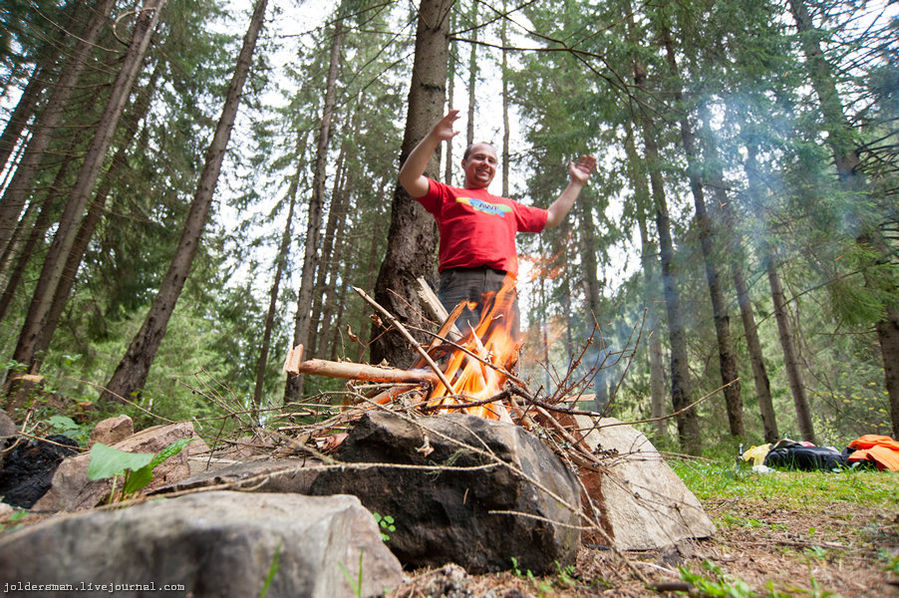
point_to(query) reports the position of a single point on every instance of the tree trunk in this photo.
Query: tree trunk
(756, 359)
(650, 266)
(450, 89)
(841, 139)
(21, 114)
(23, 180)
(89, 224)
(131, 373)
(681, 389)
(412, 237)
(753, 345)
(45, 57)
(888, 334)
(730, 378)
(791, 362)
(328, 261)
(280, 263)
(503, 36)
(472, 72)
(64, 239)
(330, 302)
(293, 389)
(340, 310)
(592, 285)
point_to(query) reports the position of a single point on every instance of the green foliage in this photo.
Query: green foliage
(136, 468)
(891, 561)
(355, 585)
(61, 424)
(385, 524)
(15, 518)
(272, 571)
(717, 583)
(806, 489)
(545, 586)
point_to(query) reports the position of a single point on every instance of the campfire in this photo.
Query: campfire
(471, 372)
(474, 365)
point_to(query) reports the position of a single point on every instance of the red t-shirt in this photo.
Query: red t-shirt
(478, 229)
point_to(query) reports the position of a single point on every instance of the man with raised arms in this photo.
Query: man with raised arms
(477, 229)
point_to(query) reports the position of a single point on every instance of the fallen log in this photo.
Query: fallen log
(353, 371)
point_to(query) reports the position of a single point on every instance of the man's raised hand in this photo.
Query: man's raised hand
(443, 130)
(580, 171)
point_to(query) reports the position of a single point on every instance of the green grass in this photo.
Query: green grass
(720, 480)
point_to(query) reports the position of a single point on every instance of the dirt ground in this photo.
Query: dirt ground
(846, 550)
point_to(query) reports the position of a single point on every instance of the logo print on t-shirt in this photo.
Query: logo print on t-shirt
(497, 209)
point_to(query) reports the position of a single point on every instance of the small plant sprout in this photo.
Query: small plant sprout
(357, 585)
(386, 524)
(272, 571)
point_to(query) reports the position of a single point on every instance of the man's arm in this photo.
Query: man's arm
(412, 176)
(578, 175)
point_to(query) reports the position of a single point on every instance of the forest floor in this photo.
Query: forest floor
(778, 534)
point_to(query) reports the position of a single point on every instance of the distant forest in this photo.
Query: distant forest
(188, 188)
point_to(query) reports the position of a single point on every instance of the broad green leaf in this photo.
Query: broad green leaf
(143, 476)
(61, 422)
(107, 462)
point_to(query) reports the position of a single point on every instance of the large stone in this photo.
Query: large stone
(8, 427)
(71, 490)
(262, 475)
(212, 544)
(450, 515)
(644, 504)
(112, 430)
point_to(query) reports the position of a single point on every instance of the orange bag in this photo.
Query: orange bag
(882, 450)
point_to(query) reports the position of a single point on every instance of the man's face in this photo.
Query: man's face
(480, 166)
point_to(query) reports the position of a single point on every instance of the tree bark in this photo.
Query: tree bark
(64, 239)
(727, 361)
(412, 237)
(681, 387)
(20, 186)
(472, 72)
(846, 158)
(650, 266)
(294, 387)
(95, 211)
(131, 373)
(791, 362)
(280, 263)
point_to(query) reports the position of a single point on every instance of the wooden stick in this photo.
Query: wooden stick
(449, 329)
(436, 309)
(292, 361)
(402, 329)
(361, 371)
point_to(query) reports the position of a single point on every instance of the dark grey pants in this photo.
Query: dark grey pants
(470, 284)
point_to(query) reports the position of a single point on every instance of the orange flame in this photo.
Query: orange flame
(493, 340)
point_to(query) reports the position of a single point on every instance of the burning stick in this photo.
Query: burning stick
(353, 371)
(405, 333)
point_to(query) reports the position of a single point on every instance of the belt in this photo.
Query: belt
(478, 269)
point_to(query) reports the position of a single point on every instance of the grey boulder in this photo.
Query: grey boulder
(209, 544)
(643, 504)
(525, 506)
